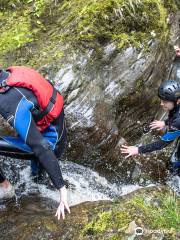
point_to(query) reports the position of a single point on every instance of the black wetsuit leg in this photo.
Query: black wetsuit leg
(178, 150)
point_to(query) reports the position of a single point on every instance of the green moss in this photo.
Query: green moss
(107, 222)
(163, 214)
(98, 225)
(171, 5)
(39, 7)
(125, 22)
(77, 24)
(158, 211)
(177, 2)
(14, 36)
(49, 225)
(114, 238)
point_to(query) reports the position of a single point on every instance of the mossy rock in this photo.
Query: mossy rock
(48, 30)
(153, 210)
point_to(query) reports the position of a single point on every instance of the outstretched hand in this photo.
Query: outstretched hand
(129, 150)
(63, 204)
(158, 125)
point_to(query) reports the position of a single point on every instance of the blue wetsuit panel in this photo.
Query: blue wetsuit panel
(170, 136)
(20, 144)
(51, 135)
(23, 117)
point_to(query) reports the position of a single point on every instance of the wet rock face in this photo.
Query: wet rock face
(33, 218)
(109, 103)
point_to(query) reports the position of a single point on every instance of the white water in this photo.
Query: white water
(174, 184)
(85, 185)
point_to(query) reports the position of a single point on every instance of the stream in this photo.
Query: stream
(84, 184)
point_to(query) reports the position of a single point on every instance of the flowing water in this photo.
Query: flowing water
(84, 183)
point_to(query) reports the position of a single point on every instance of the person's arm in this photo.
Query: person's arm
(26, 128)
(158, 145)
(165, 140)
(133, 150)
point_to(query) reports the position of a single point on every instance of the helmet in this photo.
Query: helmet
(169, 90)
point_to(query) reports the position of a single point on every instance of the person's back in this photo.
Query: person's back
(35, 110)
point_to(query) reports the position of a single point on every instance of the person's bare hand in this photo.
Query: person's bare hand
(63, 204)
(129, 150)
(158, 125)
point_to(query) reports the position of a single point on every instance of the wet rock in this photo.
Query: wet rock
(110, 97)
(5, 128)
(33, 218)
(110, 104)
(111, 100)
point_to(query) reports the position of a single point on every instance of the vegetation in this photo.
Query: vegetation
(123, 22)
(163, 213)
(45, 27)
(155, 212)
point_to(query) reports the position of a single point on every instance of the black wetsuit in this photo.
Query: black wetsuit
(172, 123)
(173, 132)
(15, 106)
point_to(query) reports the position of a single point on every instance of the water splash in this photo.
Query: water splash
(84, 185)
(174, 183)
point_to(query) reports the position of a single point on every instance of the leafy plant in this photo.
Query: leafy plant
(124, 22)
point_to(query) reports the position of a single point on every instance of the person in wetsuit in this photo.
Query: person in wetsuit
(169, 94)
(20, 107)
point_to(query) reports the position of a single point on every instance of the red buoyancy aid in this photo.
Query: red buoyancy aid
(26, 77)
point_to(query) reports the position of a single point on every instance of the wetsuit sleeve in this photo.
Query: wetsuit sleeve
(26, 128)
(158, 145)
(175, 124)
(166, 139)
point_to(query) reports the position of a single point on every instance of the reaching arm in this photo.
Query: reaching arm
(133, 150)
(26, 128)
(165, 140)
(158, 145)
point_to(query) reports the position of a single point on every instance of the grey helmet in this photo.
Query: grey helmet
(169, 90)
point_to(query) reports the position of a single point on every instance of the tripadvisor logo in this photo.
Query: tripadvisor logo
(138, 231)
